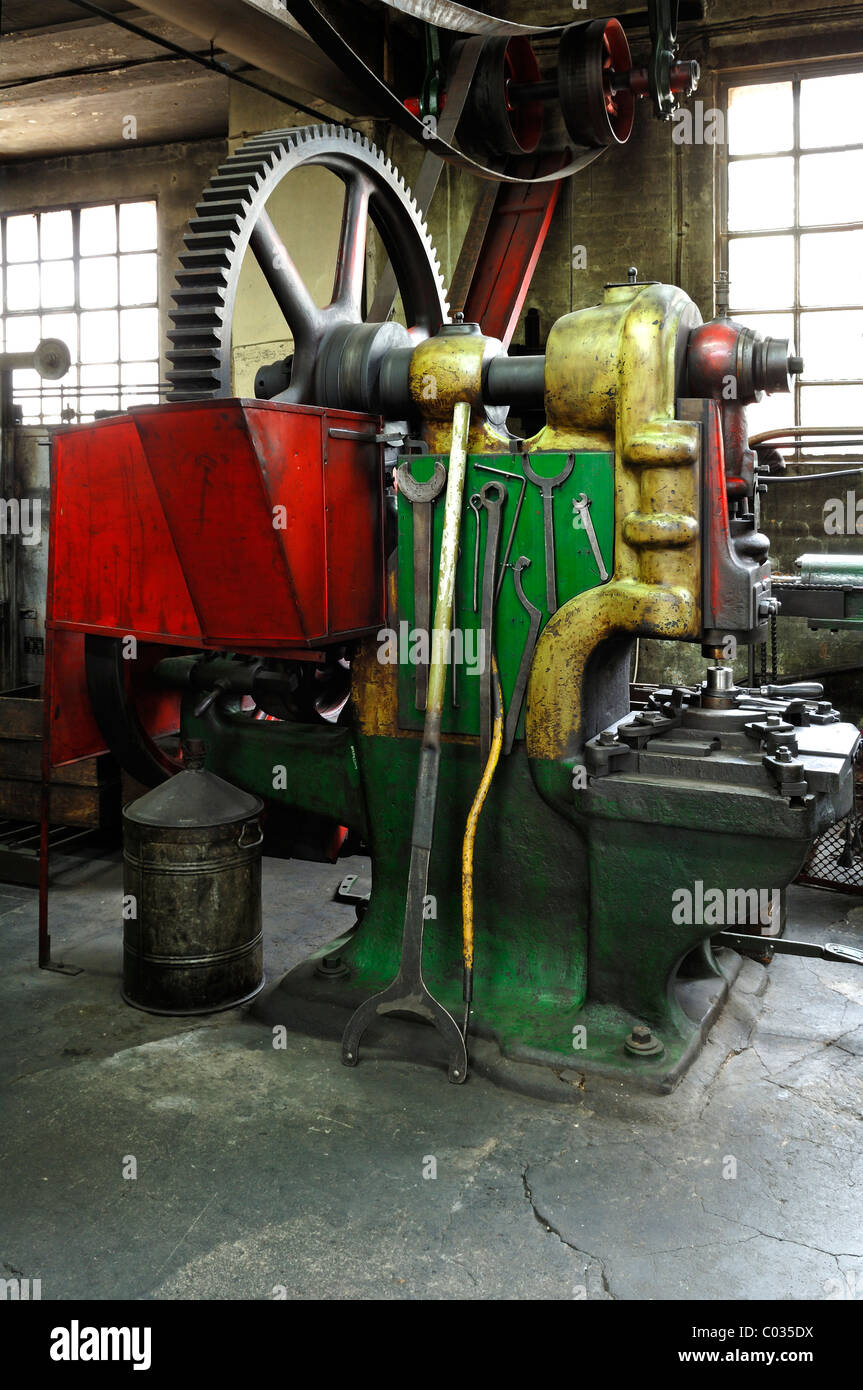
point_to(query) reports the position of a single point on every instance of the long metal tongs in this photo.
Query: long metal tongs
(408, 992)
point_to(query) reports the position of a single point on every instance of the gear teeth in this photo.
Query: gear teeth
(206, 282)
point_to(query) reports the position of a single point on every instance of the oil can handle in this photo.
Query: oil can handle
(242, 843)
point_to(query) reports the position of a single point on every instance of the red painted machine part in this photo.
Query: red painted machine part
(712, 357)
(166, 527)
(221, 523)
(510, 248)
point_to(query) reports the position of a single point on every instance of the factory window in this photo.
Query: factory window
(87, 275)
(792, 237)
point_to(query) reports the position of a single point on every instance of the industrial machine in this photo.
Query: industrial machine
(552, 860)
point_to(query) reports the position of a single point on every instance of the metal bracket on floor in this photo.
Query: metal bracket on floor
(58, 967)
(347, 893)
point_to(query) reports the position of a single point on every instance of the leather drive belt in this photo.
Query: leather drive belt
(314, 19)
(445, 14)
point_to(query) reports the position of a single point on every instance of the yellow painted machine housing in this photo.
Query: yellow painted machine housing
(612, 382)
(612, 376)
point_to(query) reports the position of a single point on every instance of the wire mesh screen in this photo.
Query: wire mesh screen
(836, 859)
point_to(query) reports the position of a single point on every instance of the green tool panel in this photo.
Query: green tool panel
(593, 474)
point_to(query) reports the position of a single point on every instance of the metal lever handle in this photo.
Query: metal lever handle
(211, 697)
(804, 690)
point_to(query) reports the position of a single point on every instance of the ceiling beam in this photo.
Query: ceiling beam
(264, 37)
(93, 43)
(170, 100)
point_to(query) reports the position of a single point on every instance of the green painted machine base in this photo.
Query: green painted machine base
(306, 1002)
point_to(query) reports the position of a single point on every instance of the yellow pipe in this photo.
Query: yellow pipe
(470, 838)
(448, 558)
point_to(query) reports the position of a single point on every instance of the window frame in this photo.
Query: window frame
(794, 73)
(70, 394)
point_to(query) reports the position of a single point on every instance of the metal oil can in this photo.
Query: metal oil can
(192, 940)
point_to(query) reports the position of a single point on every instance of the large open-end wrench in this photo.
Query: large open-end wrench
(493, 497)
(581, 507)
(422, 496)
(475, 505)
(546, 487)
(515, 704)
(408, 992)
(519, 478)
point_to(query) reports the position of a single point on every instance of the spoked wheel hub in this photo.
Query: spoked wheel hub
(336, 355)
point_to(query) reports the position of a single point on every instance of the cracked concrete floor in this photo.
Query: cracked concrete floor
(263, 1171)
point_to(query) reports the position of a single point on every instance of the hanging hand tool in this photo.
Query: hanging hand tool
(408, 992)
(468, 845)
(522, 563)
(493, 497)
(475, 505)
(453, 689)
(519, 478)
(422, 496)
(546, 487)
(581, 508)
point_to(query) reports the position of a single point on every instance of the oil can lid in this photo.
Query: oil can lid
(192, 798)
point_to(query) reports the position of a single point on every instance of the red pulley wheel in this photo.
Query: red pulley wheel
(589, 56)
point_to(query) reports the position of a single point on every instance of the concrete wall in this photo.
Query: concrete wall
(172, 174)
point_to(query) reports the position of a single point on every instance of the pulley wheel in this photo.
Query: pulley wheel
(492, 122)
(117, 690)
(593, 112)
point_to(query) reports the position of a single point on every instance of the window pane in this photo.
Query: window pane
(51, 405)
(22, 335)
(98, 282)
(58, 284)
(770, 413)
(832, 345)
(137, 376)
(139, 334)
(69, 395)
(760, 118)
(64, 327)
(831, 405)
(26, 389)
(831, 188)
(760, 194)
(138, 227)
(55, 236)
(22, 242)
(96, 382)
(22, 289)
(831, 110)
(139, 373)
(98, 231)
(761, 271)
(830, 268)
(138, 279)
(99, 336)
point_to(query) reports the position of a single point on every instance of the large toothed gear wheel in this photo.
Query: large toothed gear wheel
(231, 217)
